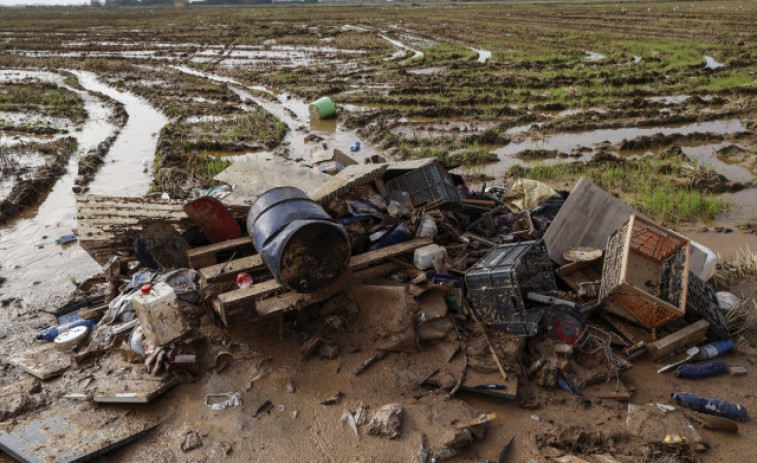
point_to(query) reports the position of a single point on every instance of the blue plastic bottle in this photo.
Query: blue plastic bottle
(711, 406)
(714, 349)
(701, 369)
(52, 332)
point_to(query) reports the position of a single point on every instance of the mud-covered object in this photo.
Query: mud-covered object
(185, 283)
(386, 421)
(159, 245)
(303, 247)
(543, 214)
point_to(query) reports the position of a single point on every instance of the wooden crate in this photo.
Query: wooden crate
(646, 271)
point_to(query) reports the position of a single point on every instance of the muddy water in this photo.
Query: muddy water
(295, 114)
(567, 142)
(37, 269)
(122, 174)
(402, 47)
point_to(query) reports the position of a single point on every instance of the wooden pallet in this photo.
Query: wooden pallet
(267, 297)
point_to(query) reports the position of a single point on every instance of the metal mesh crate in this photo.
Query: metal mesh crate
(646, 271)
(498, 283)
(702, 302)
(428, 186)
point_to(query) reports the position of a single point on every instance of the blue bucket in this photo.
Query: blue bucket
(303, 247)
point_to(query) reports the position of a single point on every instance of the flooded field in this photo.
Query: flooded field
(127, 102)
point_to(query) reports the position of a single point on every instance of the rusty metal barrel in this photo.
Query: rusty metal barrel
(302, 246)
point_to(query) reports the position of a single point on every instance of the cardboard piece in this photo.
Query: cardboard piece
(42, 361)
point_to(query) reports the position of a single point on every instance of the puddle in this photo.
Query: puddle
(594, 56)
(567, 142)
(483, 55)
(711, 63)
(122, 174)
(28, 242)
(668, 100)
(426, 71)
(403, 48)
(295, 114)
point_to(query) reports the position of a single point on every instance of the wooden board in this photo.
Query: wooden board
(64, 433)
(205, 256)
(474, 378)
(227, 271)
(347, 179)
(107, 224)
(42, 360)
(690, 335)
(247, 304)
(588, 217)
(632, 332)
(577, 272)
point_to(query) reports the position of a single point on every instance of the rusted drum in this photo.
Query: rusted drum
(302, 246)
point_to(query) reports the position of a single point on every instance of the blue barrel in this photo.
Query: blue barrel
(303, 247)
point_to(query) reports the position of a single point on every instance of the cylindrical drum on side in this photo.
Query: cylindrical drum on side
(301, 245)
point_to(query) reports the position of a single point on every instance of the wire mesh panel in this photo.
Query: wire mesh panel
(665, 273)
(702, 302)
(499, 281)
(428, 186)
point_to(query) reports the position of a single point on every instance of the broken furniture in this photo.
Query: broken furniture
(646, 271)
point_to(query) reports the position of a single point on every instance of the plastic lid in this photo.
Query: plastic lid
(70, 338)
(146, 288)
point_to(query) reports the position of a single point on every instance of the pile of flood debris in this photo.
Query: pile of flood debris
(459, 290)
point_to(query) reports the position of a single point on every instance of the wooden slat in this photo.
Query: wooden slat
(373, 257)
(227, 271)
(689, 335)
(207, 255)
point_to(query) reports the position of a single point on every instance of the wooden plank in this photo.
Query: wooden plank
(573, 274)
(227, 271)
(689, 335)
(368, 259)
(347, 179)
(294, 301)
(43, 361)
(632, 332)
(205, 256)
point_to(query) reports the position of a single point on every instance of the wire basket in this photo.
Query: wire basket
(497, 285)
(429, 186)
(702, 302)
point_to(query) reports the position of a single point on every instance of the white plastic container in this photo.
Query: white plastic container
(158, 313)
(428, 227)
(423, 259)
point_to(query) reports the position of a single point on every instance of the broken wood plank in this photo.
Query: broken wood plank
(43, 361)
(205, 256)
(689, 335)
(632, 332)
(348, 178)
(368, 259)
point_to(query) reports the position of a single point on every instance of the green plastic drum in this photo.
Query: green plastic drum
(322, 108)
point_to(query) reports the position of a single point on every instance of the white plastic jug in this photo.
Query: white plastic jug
(158, 313)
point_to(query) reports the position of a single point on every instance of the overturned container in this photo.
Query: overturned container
(302, 246)
(322, 108)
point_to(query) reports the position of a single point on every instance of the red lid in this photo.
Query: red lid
(146, 288)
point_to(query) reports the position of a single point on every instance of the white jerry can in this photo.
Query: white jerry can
(158, 313)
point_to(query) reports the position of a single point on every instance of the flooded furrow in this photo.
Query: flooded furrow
(402, 47)
(295, 114)
(122, 174)
(31, 259)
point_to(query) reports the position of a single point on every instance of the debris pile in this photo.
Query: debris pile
(487, 292)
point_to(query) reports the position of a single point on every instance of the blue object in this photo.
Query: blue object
(701, 369)
(398, 234)
(52, 332)
(355, 146)
(714, 349)
(65, 239)
(710, 406)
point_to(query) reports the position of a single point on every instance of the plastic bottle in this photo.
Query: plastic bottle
(244, 280)
(711, 406)
(398, 234)
(714, 349)
(49, 334)
(428, 227)
(701, 369)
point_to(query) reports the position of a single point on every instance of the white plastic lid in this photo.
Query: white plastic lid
(70, 338)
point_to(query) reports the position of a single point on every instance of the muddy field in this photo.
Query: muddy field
(132, 102)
